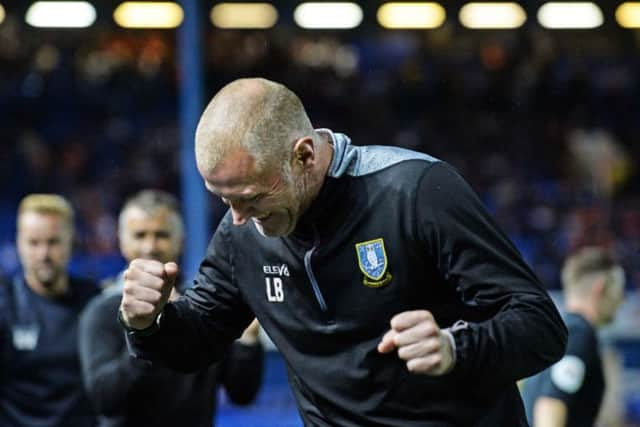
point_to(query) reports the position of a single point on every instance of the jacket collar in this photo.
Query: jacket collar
(342, 147)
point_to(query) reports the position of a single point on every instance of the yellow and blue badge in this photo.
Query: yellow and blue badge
(372, 260)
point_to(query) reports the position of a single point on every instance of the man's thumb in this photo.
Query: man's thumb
(171, 272)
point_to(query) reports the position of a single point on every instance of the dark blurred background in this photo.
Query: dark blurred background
(544, 123)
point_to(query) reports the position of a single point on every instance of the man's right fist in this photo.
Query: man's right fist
(147, 286)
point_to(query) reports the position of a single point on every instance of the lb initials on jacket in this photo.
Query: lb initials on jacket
(372, 260)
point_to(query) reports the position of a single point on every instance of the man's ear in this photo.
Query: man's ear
(304, 151)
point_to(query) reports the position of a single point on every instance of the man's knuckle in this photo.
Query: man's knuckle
(127, 306)
(155, 282)
(414, 365)
(436, 359)
(426, 315)
(435, 344)
(395, 322)
(402, 353)
(155, 298)
(398, 340)
(155, 267)
(425, 328)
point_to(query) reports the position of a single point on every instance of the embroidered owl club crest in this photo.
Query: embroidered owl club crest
(372, 260)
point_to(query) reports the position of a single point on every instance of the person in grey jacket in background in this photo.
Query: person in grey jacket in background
(130, 392)
(376, 271)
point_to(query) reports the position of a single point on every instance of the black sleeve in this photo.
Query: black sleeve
(241, 373)
(518, 330)
(110, 374)
(198, 328)
(4, 326)
(565, 378)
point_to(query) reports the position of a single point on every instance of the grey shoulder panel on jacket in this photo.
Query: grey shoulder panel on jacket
(358, 161)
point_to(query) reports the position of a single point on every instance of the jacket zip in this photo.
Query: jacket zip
(310, 275)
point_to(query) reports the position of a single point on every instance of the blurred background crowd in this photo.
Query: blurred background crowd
(543, 125)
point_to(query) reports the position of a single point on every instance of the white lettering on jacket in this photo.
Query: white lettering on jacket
(278, 270)
(275, 292)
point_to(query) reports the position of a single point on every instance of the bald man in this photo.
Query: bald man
(376, 271)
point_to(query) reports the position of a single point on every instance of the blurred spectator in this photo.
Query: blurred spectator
(570, 392)
(40, 376)
(130, 392)
(542, 124)
(600, 163)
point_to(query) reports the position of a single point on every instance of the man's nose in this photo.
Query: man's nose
(149, 245)
(42, 251)
(240, 212)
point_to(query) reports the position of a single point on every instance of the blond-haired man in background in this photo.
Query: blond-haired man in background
(40, 379)
(570, 392)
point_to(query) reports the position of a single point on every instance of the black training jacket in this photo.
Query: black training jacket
(127, 392)
(392, 230)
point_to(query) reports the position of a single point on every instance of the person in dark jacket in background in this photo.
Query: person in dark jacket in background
(130, 392)
(376, 271)
(40, 376)
(569, 394)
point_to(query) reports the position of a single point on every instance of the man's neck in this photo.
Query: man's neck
(319, 174)
(326, 156)
(583, 309)
(59, 287)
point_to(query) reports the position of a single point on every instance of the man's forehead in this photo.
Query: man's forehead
(42, 225)
(48, 219)
(236, 164)
(235, 173)
(138, 213)
(137, 217)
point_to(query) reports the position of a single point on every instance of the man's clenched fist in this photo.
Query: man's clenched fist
(147, 286)
(419, 342)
